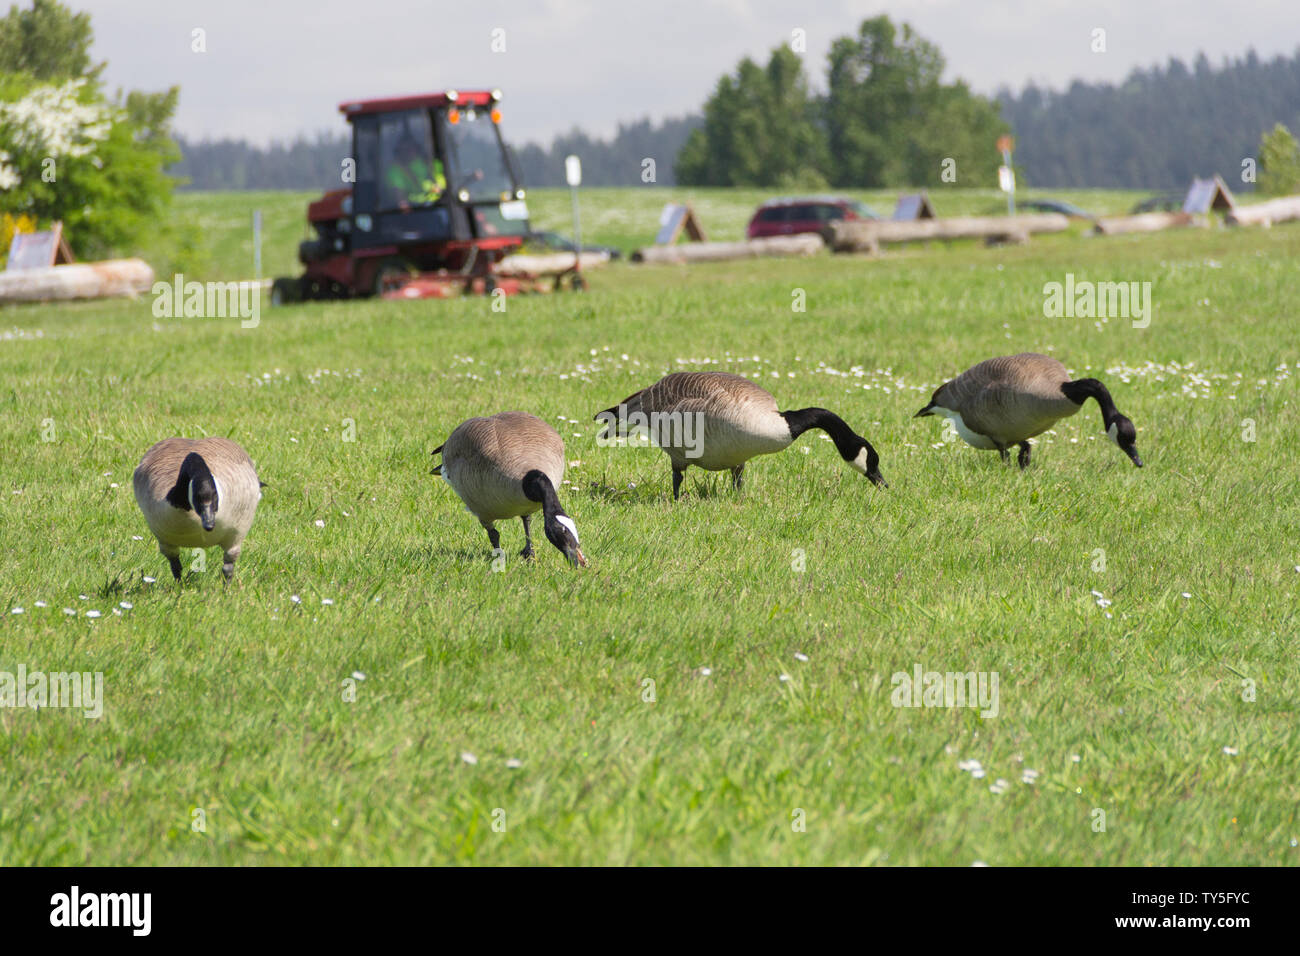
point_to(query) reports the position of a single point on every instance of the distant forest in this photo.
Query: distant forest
(316, 163)
(1156, 130)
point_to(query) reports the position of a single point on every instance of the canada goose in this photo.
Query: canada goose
(1007, 401)
(197, 493)
(716, 421)
(508, 466)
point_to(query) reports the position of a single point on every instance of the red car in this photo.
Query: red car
(788, 217)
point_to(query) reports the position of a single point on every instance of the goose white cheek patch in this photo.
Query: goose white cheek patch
(859, 464)
(1113, 433)
(568, 523)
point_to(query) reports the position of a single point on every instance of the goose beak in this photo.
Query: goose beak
(925, 412)
(878, 479)
(578, 558)
(1133, 453)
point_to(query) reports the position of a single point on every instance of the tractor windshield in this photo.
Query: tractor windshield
(477, 157)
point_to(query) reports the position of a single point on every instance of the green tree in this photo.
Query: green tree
(891, 121)
(67, 152)
(47, 41)
(759, 129)
(1279, 163)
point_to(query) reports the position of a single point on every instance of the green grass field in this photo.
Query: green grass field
(771, 737)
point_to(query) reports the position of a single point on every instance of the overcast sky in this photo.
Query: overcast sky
(277, 68)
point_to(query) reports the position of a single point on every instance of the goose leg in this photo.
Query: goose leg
(737, 476)
(528, 539)
(1005, 455)
(174, 559)
(677, 481)
(494, 536)
(228, 563)
(1023, 457)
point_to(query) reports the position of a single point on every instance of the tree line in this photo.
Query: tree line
(1157, 129)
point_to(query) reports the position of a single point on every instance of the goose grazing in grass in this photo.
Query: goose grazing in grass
(198, 493)
(1006, 401)
(718, 421)
(508, 466)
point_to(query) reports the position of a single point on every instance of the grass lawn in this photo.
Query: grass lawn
(770, 623)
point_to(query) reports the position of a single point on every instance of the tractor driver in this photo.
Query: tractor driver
(411, 178)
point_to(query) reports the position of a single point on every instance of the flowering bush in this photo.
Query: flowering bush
(67, 153)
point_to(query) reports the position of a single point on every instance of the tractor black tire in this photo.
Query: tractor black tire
(389, 272)
(578, 282)
(286, 291)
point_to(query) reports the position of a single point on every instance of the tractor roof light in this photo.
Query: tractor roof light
(452, 96)
(463, 195)
(496, 96)
(519, 194)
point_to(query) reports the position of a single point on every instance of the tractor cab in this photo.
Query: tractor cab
(434, 196)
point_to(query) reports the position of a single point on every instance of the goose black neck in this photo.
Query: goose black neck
(847, 442)
(194, 470)
(537, 487)
(1083, 389)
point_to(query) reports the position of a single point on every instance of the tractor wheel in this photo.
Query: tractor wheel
(391, 273)
(286, 291)
(578, 282)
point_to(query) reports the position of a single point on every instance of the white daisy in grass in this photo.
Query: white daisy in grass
(71, 612)
(706, 671)
(469, 758)
(149, 580)
(800, 656)
(357, 675)
(327, 601)
(295, 599)
(514, 763)
(136, 537)
(784, 678)
(970, 766)
(1187, 595)
(1075, 757)
(979, 863)
(17, 610)
(1230, 751)
(126, 605)
(998, 786)
(92, 614)
(1029, 776)
(320, 522)
(41, 604)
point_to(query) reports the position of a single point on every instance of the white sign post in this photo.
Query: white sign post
(1007, 174)
(573, 174)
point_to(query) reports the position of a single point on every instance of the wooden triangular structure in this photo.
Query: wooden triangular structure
(913, 206)
(674, 220)
(1207, 194)
(39, 250)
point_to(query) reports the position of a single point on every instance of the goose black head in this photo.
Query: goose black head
(563, 533)
(196, 490)
(559, 527)
(868, 462)
(1121, 431)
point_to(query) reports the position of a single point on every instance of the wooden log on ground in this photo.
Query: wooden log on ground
(1266, 213)
(805, 244)
(868, 235)
(549, 264)
(1143, 222)
(85, 280)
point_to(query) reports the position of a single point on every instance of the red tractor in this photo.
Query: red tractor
(435, 204)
